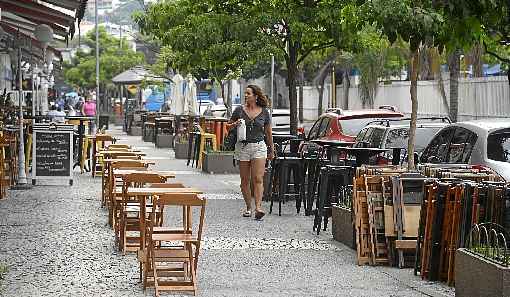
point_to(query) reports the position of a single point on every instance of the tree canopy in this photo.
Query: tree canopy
(81, 72)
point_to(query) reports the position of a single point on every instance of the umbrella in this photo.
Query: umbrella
(190, 96)
(177, 106)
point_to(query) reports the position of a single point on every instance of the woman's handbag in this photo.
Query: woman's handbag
(229, 143)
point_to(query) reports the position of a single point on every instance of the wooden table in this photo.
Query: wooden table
(124, 172)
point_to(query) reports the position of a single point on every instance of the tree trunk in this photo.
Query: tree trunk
(454, 85)
(301, 82)
(321, 95)
(229, 98)
(347, 86)
(291, 79)
(414, 109)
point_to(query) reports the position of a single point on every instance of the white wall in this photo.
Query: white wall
(478, 98)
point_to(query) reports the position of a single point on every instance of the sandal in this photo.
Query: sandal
(259, 215)
(247, 214)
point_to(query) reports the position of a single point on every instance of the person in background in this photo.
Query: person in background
(89, 110)
(60, 103)
(56, 114)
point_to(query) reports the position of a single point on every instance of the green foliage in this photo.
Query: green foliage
(113, 60)
(3, 271)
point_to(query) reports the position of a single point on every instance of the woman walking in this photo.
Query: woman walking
(258, 146)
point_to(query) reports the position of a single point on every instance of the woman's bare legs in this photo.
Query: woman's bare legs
(245, 173)
(257, 174)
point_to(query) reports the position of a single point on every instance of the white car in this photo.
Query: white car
(481, 142)
(281, 121)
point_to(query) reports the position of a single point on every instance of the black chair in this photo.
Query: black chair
(287, 164)
(334, 180)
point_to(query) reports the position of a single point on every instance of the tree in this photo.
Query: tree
(416, 22)
(220, 38)
(201, 41)
(81, 72)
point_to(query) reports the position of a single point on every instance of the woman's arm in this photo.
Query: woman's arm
(234, 119)
(269, 140)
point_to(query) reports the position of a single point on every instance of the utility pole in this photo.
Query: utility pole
(97, 63)
(22, 176)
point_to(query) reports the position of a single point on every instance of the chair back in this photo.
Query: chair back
(188, 201)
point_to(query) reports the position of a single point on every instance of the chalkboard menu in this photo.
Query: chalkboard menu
(52, 152)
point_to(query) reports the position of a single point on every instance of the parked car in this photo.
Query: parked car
(281, 121)
(480, 142)
(344, 125)
(394, 134)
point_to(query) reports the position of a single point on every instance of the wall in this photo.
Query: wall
(478, 98)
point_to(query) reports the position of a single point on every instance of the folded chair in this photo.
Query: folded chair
(131, 210)
(172, 256)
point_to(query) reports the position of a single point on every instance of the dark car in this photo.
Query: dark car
(394, 134)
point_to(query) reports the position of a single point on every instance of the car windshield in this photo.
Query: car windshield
(353, 126)
(498, 146)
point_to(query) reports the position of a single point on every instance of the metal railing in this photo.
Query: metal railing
(489, 240)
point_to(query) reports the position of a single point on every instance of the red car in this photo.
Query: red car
(344, 125)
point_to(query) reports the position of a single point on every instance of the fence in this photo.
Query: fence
(478, 98)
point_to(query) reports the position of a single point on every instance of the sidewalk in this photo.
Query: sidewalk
(56, 242)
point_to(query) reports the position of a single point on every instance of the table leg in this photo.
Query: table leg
(81, 132)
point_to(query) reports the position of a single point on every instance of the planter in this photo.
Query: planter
(342, 226)
(476, 276)
(165, 140)
(219, 162)
(181, 150)
(136, 131)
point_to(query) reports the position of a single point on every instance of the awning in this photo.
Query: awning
(135, 76)
(60, 15)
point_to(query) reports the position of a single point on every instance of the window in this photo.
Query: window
(436, 151)
(315, 128)
(376, 137)
(461, 146)
(361, 137)
(397, 138)
(323, 129)
(352, 127)
(498, 146)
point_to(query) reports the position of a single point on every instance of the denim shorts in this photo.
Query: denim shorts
(250, 151)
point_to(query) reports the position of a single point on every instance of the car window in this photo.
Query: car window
(361, 134)
(397, 138)
(376, 137)
(436, 151)
(323, 127)
(362, 137)
(498, 146)
(352, 127)
(315, 128)
(461, 146)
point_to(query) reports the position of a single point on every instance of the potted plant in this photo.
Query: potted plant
(482, 269)
(181, 146)
(219, 162)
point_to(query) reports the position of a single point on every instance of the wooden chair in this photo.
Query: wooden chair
(115, 146)
(173, 268)
(99, 142)
(114, 192)
(130, 212)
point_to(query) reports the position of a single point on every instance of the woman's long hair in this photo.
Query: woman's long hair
(262, 99)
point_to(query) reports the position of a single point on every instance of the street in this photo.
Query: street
(56, 242)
